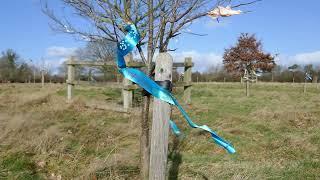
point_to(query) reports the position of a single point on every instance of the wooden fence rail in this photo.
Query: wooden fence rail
(127, 86)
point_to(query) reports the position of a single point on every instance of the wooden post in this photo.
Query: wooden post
(160, 122)
(42, 78)
(70, 80)
(292, 76)
(315, 78)
(34, 76)
(187, 80)
(247, 87)
(126, 92)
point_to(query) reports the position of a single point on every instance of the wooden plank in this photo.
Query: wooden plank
(160, 122)
(187, 80)
(133, 64)
(183, 64)
(90, 63)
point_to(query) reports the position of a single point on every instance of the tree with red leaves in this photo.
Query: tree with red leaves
(247, 56)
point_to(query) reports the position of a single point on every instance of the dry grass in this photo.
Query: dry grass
(275, 131)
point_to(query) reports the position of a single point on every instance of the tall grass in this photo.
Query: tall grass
(275, 132)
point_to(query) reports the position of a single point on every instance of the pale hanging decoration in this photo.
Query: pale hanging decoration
(223, 12)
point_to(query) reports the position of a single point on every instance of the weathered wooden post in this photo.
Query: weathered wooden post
(127, 93)
(70, 80)
(42, 78)
(187, 80)
(160, 122)
(247, 87)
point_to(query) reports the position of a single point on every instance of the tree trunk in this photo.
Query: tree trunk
(247, 88)
(144, 136)
(305, 86)
(144, 139)
(42, 78)
(34, 76)
(292, 77)
(315, 78)
(104, 76)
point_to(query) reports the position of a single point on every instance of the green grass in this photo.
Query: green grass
(275, 132)
(18, 166)
(93, 92)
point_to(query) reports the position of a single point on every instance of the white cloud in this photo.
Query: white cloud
(56, 55)
(58, 51)
(202, 61)
(301, 58)
(308, 58)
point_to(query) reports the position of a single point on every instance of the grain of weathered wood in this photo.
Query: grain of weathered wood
(160, 122)
(187, 80)
(127, 93)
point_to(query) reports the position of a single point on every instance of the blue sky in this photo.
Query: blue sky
(287, 27)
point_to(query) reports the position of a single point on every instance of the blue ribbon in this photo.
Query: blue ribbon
(308, 77)
(127, 45)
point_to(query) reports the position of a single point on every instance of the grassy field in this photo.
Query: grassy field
(276, 132)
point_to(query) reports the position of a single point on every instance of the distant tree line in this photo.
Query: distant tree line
(278, 74)
(15, 69)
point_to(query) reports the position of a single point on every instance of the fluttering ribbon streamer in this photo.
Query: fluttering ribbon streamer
(125, 46)
(308, 77)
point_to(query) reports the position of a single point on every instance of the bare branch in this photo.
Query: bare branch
(245, 4)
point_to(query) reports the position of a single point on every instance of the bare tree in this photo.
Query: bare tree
(157, 21)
